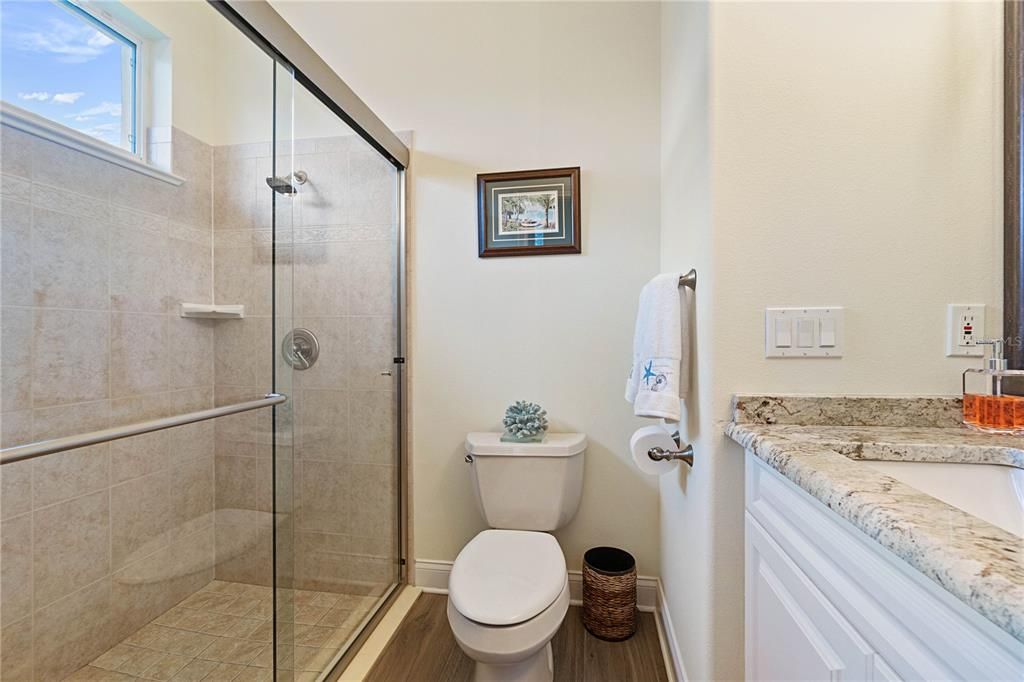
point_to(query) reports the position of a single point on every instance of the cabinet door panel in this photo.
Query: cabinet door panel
(788, 645)
(794, 633)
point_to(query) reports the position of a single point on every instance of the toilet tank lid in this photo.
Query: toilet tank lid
(553, 445)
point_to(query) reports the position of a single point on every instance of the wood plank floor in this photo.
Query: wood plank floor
(423, 650)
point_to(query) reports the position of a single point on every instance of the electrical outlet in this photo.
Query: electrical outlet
(965, 326)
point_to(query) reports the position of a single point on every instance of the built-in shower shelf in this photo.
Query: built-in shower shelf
(216, 311)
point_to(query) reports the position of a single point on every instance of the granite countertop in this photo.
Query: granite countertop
(816, 442)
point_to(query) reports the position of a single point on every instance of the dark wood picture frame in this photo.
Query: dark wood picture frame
(484, 213)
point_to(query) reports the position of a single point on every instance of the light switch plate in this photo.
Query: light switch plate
(805, 327)
(965, 324)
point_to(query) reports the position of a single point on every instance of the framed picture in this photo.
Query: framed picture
(529, 213)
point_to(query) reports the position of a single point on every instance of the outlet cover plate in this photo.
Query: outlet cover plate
(959, 343)
(824, 331)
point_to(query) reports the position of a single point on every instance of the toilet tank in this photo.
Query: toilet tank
(527, 486)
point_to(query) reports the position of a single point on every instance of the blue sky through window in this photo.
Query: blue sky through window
(59, 64)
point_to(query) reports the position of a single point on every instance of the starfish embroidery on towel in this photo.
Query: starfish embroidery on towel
(649, 372)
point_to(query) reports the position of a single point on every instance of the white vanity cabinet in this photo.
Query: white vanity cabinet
(826, 602)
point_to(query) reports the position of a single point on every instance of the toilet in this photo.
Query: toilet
(508, 591)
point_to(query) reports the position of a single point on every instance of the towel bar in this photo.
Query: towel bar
(689, 280)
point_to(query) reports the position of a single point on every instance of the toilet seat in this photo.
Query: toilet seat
(506, 577)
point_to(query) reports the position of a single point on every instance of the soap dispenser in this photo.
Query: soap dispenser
(985, 406)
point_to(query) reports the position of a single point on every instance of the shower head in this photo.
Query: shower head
(285, 185)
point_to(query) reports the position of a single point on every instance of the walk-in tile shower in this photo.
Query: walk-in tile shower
(224, 546)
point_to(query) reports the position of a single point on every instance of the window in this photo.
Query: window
(63, 62)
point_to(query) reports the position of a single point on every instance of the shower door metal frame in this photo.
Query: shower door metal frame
(271, 33)
(265, 27)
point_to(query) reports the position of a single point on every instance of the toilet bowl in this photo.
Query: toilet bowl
(508, 594)
(508, 591)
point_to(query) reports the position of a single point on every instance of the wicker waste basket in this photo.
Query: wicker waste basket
(609, 593)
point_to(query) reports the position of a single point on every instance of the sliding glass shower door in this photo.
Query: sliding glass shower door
(199, 413)
(338, 481)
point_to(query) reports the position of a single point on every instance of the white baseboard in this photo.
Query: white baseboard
(669, 641)
(432, 577)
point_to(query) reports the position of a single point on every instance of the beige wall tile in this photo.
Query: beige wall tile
(15, 569)
(324, 494)
(192, 160)
(61, 166)
(62, 644)
(374, 422)
(372, 348)
(68, 420)
(13, 187)
(241, 353)
(138, 356)
(234, 277)
(244, 483)
(140, 266)
(190, 274)
(194, 503)
(142, 193)
(71, 546)
(70, 261)
(16, 642)
(193, 440)
(71, 361)
(15, 488)
(323, 427)
(140, 511)
(326, 197)
(244, 553)
(320, 279)
(15, 359)
(147, 588)
(64, 475)
(15, 428)
(234, 196)
(141, 408)
(373, 185)
(372, 490)
(70, 202)
(370, 267)
(138, 456)
(16, 256)
(15, 152)
(189, 352)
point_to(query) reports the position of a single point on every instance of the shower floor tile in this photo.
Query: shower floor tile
(224, 632)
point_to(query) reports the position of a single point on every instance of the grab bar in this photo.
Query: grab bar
(19, 453)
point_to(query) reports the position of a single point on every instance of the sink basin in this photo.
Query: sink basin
(992, 492)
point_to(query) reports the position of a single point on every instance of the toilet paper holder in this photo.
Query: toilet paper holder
(684, 455)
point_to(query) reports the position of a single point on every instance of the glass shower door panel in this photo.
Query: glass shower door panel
(276, 201)
(346, 493)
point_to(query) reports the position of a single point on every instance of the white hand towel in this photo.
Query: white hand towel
(659, 376)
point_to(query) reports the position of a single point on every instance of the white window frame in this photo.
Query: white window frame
(136, 118)
(133, 129)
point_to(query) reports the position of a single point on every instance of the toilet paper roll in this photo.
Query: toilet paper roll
(652, 437)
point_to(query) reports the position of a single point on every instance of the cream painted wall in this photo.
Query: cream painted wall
(854, 160)
(504, 86)
(222, 85)
(195, 31)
